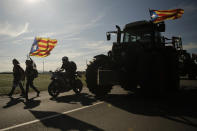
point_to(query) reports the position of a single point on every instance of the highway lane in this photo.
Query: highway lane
(119, 111)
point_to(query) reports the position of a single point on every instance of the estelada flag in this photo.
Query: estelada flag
(161, 15)
(42, 46)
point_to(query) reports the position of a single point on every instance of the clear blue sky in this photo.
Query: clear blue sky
(80, 27)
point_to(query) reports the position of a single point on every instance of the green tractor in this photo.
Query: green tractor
(140, 62)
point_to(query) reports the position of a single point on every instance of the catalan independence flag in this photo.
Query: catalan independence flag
(42, 46)
(161, 15)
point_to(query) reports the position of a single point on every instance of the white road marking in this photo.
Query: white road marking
(48, 117)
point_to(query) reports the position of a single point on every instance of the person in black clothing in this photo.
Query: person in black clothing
(19, 75)
(69, 67)
(30, 75)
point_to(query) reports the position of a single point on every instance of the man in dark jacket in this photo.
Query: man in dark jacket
(30, 75)
(69, 67)
(19, 75)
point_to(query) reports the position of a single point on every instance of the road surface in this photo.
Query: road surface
(120, 111)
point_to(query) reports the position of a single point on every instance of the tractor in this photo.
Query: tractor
(140, 61)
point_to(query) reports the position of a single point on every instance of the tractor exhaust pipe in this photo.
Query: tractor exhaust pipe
(118, 34)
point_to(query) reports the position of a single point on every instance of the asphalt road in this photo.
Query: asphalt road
(120, 111)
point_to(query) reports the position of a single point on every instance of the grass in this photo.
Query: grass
(41, 82)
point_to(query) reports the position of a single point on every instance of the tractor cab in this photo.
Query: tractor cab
(143, 32)
(140, 33)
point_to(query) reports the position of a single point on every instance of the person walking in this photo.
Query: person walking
(31, 73)
(19, 75)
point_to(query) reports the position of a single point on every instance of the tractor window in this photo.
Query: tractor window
(134, 37)
(126, 37)
(131, 37)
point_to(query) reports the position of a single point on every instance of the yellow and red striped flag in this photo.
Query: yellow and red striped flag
(42, 47)
(161, 15)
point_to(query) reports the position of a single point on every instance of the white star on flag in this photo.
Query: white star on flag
(35, 47)
(154, 16)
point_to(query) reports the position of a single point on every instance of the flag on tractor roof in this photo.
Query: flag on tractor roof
(42, 46)
(161, 15)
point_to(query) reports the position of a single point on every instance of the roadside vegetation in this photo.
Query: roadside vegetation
(41, 83)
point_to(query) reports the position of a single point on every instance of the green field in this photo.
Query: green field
(41, 83)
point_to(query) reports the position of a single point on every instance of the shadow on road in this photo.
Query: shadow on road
(84, 98)
(177, 108)
(32, 103)
(13, 101)
(28, 105)
(62, 121)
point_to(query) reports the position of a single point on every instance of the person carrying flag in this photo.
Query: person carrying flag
(31, 73)
(41, 47)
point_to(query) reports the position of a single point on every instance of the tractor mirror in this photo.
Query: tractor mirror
(108, 36)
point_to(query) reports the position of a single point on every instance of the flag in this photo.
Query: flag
(161, 15)
(42, 46)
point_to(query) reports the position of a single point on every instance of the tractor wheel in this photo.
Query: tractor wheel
(151, 74)
(172, 72)
(91, 79)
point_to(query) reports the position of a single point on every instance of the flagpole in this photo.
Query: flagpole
(43, 65)
(150, 13)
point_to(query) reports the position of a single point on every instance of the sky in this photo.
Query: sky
(80, 27)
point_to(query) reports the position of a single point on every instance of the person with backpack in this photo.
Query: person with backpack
(31, 73)
(19, 75)
(69, 66)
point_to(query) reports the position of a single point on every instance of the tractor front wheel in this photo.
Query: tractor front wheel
(91, 78)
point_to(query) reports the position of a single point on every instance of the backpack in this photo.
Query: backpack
(35, 73)
(73, 66)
